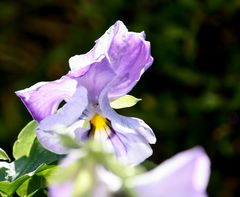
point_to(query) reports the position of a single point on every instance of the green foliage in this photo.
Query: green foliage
(32, 163)
(25, 140)
(124, 101)
(3, 155)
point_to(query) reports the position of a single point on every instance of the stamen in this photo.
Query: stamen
(98, 123)
(101, 128)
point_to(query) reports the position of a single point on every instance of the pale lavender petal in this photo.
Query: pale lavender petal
(61, 189)
(63, 122)
(82, 133)
(80, 64)
(51, 141)
(43, 99)
(184, 175)
(98, 76)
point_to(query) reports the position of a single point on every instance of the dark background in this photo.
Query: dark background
(191, 94)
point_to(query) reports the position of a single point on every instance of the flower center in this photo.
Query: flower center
(99, 123)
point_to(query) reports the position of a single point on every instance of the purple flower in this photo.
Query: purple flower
(184, 175)
(107, 72)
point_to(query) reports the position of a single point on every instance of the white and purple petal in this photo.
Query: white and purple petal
(131, 149)
(43, 99)
(99, 75)
(80, 64)
(66, 121)
(130, 136)
(127, 53)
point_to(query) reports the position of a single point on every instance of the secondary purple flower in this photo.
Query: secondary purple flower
(107, 72)
(184, 175)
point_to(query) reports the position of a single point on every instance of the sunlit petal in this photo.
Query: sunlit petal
(62, 122)
(43, 99)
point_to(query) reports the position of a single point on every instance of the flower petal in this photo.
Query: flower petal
(125, 124)
(130, 56)
(132, 134)
(184, 175)
(98, 76)
(131, 149)
(80, 64)
(65, 121)
(43, 99)
(126, 53)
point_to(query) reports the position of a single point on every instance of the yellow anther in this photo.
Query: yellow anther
(98, 122)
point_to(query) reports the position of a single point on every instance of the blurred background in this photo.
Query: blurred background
(191, 94)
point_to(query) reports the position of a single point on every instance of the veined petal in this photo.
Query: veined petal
(62, 122)
(130, 125)
(126, 53)
(184, 175)
(130, 56)
(131, 133)
(43, 99)
(98, 76)
(125, 124)
(131, 149)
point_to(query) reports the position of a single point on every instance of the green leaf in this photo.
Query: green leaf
(10, 187)
(124, 101)
(3, 155)
(24, 142)
(33, 185)
(31, 160)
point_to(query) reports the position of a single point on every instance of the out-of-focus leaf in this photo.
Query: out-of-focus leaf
(85, 179)
(68, 141)
(124, 101)
(81, 169)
